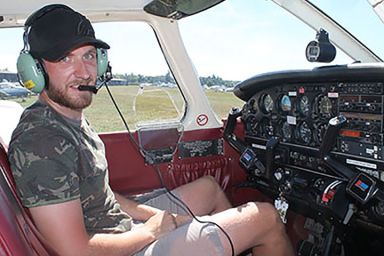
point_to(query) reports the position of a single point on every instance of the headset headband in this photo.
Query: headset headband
(41, 12)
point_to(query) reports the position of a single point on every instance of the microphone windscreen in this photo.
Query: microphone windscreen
(91, 88)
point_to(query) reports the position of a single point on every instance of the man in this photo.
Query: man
(61, 173)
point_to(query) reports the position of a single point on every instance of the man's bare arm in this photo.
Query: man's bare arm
(63, 227)
(144, 212)
(136, 211)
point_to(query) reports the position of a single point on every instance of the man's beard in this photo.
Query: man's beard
(64, 98)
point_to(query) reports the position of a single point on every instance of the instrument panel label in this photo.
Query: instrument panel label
(201, 148)
(361, 163)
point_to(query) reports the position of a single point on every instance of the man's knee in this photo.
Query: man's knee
(266, 225)
(269, 212)
(210, 182)
(210, 179)
(266, 213)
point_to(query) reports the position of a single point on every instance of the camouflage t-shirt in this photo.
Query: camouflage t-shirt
(55, 160)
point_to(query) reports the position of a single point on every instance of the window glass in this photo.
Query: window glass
(142, 85)
(360, 20)
(236, 40)
(228, 43)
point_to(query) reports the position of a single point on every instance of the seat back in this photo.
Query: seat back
(18, 235)
(10, 112)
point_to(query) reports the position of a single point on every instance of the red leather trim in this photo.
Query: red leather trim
(130, 175)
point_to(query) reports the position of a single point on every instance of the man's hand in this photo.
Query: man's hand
(181, 219)
(164, 222)
(160, 224)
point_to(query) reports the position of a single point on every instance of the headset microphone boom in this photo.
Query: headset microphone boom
(107, 76)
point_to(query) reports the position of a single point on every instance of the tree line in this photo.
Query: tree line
(168, 78)
(132, 78)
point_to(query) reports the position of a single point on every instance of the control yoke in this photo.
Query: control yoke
(334, 126)
(230, 127)
(248, 157)
(329, 140)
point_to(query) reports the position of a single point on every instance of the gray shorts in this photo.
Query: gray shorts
(191, 239)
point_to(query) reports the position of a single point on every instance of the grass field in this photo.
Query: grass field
(140, 105)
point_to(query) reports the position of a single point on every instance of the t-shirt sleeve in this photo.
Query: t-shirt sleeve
(44, 166)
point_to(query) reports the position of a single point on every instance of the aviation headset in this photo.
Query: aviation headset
(30, 70)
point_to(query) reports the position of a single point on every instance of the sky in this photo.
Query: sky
(234, 40)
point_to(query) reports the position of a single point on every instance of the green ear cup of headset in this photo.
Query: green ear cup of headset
(30, 73)
(102, 61)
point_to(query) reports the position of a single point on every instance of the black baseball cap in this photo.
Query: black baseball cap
(55, 30)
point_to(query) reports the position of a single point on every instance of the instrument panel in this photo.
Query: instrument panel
(316, 137)
(298, 113)
(291, 112)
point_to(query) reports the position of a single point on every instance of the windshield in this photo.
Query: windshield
(249, 37)
(268, 36)
(359, 18)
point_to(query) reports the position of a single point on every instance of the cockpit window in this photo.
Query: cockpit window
(143, 86)
(360, 20)
(239, 39)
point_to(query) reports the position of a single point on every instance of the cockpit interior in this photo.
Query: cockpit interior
(314, 138)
